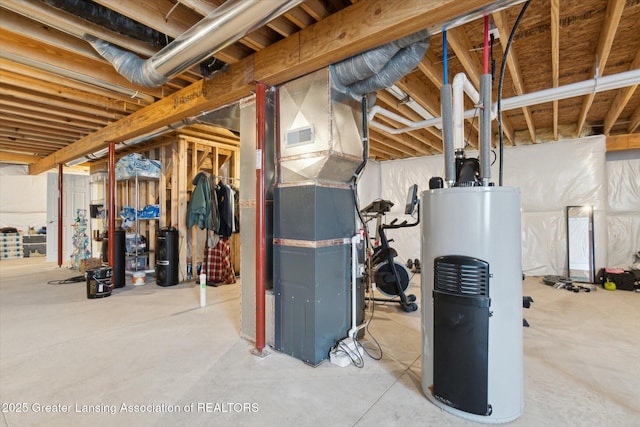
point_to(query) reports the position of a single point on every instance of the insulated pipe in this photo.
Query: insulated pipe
(485, 50)
(111, 209)
(447, 135)
(461, 83)
(261, 229)
(225, 25)
(593, 86)
(485, 129)
(60, 212)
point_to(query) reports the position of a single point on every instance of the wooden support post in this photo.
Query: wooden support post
(152, 195)
(181, 209)
(195, 256)
(162, 188)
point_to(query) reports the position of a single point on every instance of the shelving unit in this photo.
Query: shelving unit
(137, 177)
(137, 257)
(98, 212)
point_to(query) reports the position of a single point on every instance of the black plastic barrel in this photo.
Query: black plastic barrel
(98, 282)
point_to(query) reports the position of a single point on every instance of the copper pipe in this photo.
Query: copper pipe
(261, 112)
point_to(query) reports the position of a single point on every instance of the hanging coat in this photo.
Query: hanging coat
(225, 209)
(202, 209)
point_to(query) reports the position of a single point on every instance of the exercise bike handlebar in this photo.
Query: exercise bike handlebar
(393, 225)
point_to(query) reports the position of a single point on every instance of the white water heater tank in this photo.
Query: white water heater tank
(472, 302)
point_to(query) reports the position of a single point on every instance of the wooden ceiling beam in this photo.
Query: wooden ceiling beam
(315, 8)
(55, 103)
(39, 126)
(29, 146)
(194, 132)
(161, 15)
(514, 69)
(607, 35)
(64, 114)
(623, 142)
(283, 26)
(68, 23)
(98, 70)
(621, 100)
(86, 101)
(433, 73)
(202, 7)
(408, 141)
(359, 27)
(634, 121)
(299, 17)
(378, 155)
(18, 24)
(69, 84)
(384, 153)
(555, 58)
(383, 142)
(22, 131)
(15, 111)
(17, 158)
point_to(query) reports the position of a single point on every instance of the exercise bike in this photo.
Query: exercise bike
(390, 277)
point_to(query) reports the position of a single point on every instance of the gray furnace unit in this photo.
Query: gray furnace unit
(320, 148)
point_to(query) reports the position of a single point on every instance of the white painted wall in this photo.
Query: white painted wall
(23, 198)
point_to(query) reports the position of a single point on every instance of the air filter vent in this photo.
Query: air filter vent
(461, 275)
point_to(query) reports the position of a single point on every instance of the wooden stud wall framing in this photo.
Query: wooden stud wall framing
(182, 157)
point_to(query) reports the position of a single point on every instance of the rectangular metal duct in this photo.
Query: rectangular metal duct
(320, 131)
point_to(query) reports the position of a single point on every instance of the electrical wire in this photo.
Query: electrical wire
(379, 348)
(473, 119)
(354, 355)
(74, 279)
(500, 81)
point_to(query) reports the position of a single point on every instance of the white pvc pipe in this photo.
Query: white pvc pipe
(355, 240)
(408, 123)
(593, 86)
(460, 85)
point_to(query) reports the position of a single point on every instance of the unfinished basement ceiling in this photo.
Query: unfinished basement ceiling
(56, 91)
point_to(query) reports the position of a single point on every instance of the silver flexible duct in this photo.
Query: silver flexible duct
(222, 27)
(381, 67)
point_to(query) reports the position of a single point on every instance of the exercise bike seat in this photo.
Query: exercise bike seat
(380, 255)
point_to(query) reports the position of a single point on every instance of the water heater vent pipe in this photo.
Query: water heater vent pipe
(461, 84)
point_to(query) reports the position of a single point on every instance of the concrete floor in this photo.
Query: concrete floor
(144, 351)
